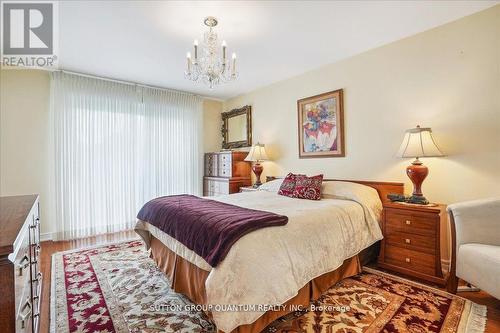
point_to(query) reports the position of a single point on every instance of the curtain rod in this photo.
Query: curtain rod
(129, 83)
(122, 81)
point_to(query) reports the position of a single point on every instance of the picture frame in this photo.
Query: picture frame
(321, 125)
(237, 128)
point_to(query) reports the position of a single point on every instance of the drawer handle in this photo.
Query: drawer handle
(23, 316)
(408, 222)
(21, 264)
(408, 241)
(407, 260)
(37, 277)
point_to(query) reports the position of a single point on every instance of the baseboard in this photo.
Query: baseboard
(445, 265)
(46, 236)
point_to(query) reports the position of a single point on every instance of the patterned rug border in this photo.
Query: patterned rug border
(111, 302)
(474, 322)
(405, 280)
(91, 247)
(54, 262)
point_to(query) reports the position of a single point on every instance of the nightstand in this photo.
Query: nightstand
(411, 243)
(248, 189)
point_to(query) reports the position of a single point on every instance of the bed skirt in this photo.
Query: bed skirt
(188, 279)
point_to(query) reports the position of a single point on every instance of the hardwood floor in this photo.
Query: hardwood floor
(479, 297)
(50, 247)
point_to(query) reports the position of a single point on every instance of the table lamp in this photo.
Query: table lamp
(257, 154)
(418, 142)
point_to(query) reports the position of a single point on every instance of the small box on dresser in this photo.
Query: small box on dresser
(248, 189)
(20, 277)
(411, 243)
(225, 172)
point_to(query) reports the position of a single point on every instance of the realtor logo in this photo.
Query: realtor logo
(28, 34)
(28, 28)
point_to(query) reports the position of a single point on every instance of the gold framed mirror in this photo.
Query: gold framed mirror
(237, 128)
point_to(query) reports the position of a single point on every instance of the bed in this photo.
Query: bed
(273, 271)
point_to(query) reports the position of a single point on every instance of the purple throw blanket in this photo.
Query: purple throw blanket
(207, 227)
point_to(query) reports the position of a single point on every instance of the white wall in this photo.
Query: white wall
(447, 78)
(26, 165)
(212, 123)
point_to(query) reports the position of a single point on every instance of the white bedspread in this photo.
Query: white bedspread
(270, 265)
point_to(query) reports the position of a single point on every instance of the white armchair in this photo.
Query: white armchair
(475, 231)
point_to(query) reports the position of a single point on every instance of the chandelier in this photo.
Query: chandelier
(208, 66)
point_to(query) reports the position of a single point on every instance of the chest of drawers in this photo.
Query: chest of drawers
(411, 243)
(225, 172)
(20, 277)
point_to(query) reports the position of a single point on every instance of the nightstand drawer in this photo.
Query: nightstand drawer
(410, 223)
(417, 261)
(225, 172)
(225, 158)
(225, 165)
(409, 241)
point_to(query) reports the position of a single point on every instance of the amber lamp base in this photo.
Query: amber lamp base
(257, 170)
(417, 172)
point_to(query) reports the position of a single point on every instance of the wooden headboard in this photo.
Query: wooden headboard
(383, 188)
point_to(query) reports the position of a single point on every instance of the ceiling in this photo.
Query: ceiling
(147, 41)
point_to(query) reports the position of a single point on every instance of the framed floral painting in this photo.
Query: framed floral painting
(321, 125)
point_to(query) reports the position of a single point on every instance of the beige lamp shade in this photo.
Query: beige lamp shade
(418, 142)
(257, 153)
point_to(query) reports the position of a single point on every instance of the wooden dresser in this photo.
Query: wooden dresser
(225, 172)
(411, 243)
(20, 277)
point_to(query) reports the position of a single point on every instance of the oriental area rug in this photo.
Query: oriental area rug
(117, 288)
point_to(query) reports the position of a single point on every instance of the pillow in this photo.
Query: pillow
(271, 186)
(288, 185)
(365, 195)
(346, 190)
(308, 187)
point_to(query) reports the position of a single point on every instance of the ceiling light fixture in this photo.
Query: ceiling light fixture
(208, 66)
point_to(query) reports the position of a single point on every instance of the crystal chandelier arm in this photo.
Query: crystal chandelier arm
(188, 57)
(224, 45)
(234, 64)
(195, 50)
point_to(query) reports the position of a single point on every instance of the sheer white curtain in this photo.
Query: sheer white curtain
(116, 147)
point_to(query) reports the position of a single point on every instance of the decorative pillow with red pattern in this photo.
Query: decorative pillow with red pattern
(288, 185)
(308, 187)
